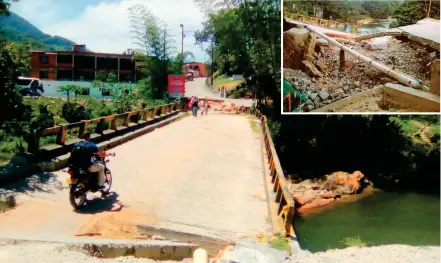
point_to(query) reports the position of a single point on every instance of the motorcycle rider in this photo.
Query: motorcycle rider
(89, 149)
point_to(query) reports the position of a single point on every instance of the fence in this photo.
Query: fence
(128, 119)
(284, 199)
(321, 22)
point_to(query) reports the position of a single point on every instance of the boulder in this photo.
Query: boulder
(323, 95)
(377, 45)
(295, 41)
(321, 65)
(321, 42)
(310, 69)
(310, 48)
(316, 203)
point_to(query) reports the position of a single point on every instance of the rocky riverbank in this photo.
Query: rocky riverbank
(386, 253)
(311, 194)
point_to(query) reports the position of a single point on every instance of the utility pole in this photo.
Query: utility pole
(212, 64)
(164, 59)
(182, 39)
(428, 12)
(165, 38)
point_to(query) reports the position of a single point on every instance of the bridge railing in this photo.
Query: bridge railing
(326, 23)
(284, 200)
(116, 122)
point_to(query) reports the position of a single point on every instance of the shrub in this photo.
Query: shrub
(74, 113)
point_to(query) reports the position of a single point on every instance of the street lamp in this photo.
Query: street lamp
(182, 39)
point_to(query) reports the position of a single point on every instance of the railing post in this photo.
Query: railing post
(99, 126)
(145, 115)
(289, 218)
(113, 123)
(61, 136)
(34, 142)
(342, 60)
(126, 119)
(83, 128)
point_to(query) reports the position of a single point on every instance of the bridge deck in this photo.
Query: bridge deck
(201, 172)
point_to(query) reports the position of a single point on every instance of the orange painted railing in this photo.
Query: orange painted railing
(284, 199)
(61, 131)
(320, 22)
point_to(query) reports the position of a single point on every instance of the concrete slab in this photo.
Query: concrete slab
(427, 28)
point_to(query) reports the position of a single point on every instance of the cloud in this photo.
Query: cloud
(104, 27)
(31, 11)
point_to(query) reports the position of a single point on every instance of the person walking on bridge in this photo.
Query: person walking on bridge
(206, 106)
(194, 105)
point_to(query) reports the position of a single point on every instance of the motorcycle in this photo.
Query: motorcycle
(82, 181)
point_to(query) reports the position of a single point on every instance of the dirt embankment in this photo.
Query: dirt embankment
(324, 83)
(311, 194)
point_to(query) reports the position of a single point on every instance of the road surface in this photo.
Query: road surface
(197, 88)
(201, 173)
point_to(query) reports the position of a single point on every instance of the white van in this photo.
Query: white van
(30, 86)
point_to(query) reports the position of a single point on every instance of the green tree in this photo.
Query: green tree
(246, 40)
(67, 89)
(411, 12)
(14, 62)
(155, 44)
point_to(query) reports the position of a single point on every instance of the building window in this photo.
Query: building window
(44, 74)
(44, 60)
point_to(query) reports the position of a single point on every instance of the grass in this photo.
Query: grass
(279, 242)
(254, 125)
(412, 126)
(353, 242)
(225, 81)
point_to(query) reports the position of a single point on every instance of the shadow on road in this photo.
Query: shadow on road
(109, 203)
(45, 182)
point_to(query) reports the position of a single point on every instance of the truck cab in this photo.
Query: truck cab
(189, 76)
(29, 86)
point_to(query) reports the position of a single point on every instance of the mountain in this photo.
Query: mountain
(18, 29)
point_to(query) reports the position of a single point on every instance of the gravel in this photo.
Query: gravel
(379, 254)
(407, 57)
(55, 253)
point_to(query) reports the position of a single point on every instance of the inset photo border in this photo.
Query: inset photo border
(358, 64)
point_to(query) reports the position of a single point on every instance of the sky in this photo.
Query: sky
(103, 25)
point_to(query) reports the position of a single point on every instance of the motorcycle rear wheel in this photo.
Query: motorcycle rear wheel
(73, 196)
(108, 182)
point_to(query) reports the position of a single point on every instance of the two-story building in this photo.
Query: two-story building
(82, 65)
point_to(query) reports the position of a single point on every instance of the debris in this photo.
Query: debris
(310, 69)
(323, 95)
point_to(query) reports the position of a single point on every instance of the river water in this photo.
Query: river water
(373, 27)
(379, 219)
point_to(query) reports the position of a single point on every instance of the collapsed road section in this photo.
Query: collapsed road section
(327, 71)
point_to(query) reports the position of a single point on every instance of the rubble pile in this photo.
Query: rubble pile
(311, 65)
(310, 194)
(222, 107)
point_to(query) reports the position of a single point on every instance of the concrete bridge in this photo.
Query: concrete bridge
(215, 175)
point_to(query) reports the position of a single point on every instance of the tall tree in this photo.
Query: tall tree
(155, 44)
(14, 62)
(246, 40)
(411, 12)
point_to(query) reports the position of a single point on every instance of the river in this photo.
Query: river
(373, 27)
(379, 219)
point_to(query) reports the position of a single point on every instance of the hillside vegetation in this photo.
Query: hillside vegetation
(18, 29)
